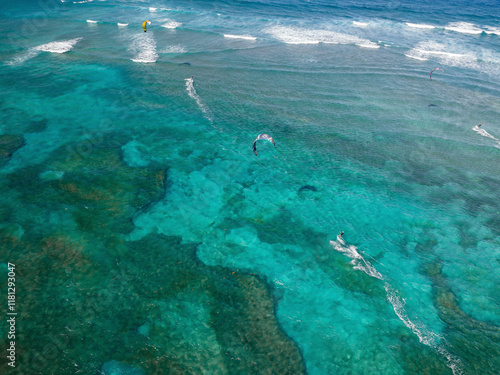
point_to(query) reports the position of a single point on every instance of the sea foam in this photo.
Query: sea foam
(440, 52)
(297, 35)
(144, 47)
(171, 25)
(359, 24)
(492, 30)
(420, 25)
(58, 47)
(463, 27)
(245, 37)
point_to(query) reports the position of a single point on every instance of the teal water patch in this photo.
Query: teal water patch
(117, 368)
(132, 197)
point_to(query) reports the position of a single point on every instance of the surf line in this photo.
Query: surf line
(425, 335)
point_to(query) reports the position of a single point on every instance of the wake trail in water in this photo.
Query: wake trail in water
(358, 261)
(425, 335)
(194, 95)
(484, 133)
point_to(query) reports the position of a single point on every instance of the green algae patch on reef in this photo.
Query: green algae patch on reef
(467, 337)
(233, 313)
(87, 290)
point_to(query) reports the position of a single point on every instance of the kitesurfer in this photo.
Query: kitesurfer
(480, 125)
(262, 136)
(341, 234)
(430, 75)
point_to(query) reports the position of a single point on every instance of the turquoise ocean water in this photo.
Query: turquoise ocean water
(148, 238)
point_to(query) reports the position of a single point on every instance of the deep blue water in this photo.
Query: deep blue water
(148, 238)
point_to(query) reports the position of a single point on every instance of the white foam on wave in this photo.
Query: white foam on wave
(358, 261)
(297, 35)
(92, 21)
(371, 45)
(153, 9)
(58, 47)
(194, 95)
(439, 52)
(54, 47)
(420, 25)
(492, 30)
(412, 56)
(18, 60)
(245, 37)
(171, 25)
(424, 334)
(463, 28)
(359, 24)
(122, 24)
(144, 47)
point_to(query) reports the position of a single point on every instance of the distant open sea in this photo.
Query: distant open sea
(140, 234)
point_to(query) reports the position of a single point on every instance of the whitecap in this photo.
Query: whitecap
(492, 30)
(58, 47)
(420, 25)
(245, 37)
(18, 60)
(171, 25)
(91, 21)
(412, 56)
(359, 24)
(439, 52)
(463, 27)
(368, 45)
(122, 24)
(153, 9)
(54, 47)
(296, 35)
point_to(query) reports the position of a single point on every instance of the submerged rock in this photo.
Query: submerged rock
(8, 145)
